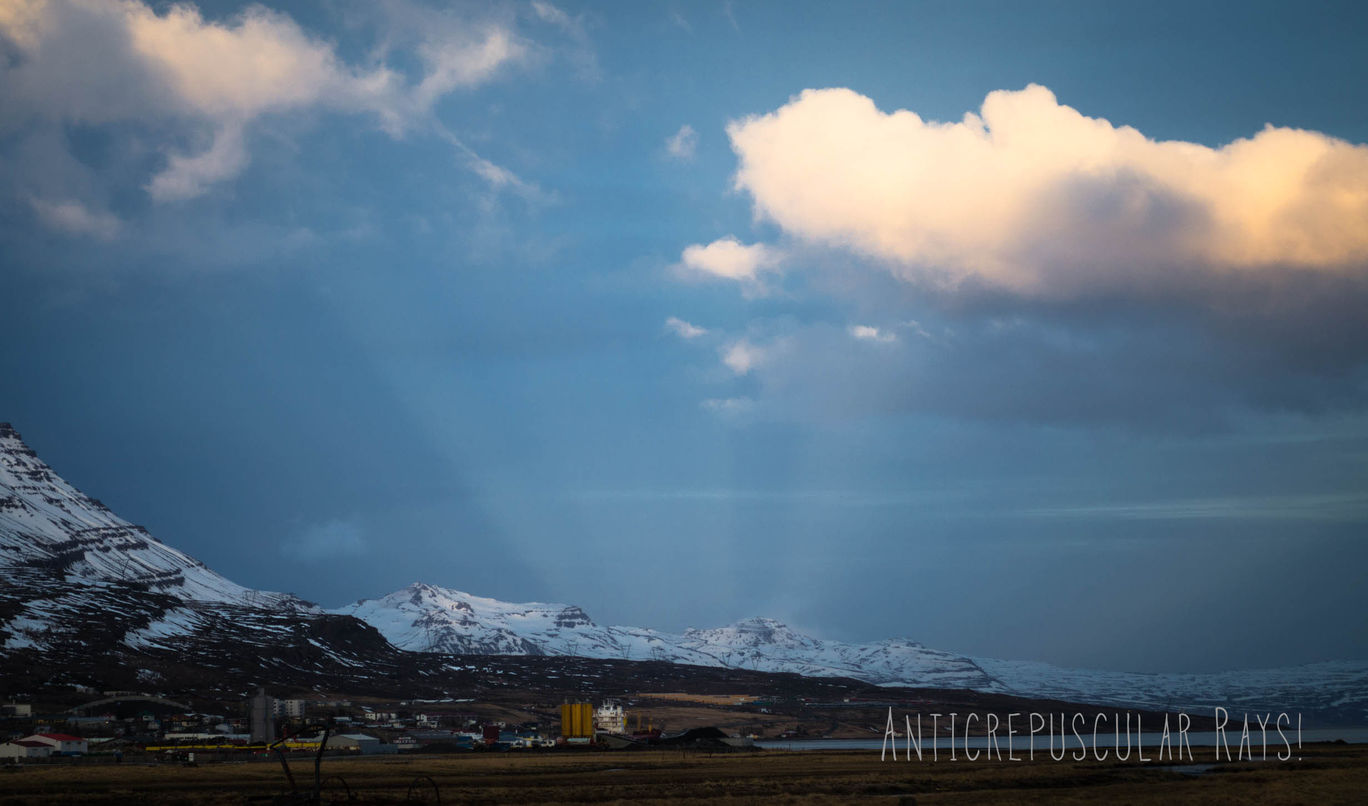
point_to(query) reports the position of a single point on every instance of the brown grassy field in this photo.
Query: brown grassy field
(1326, 774)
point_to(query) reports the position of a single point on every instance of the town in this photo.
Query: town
(116, 724)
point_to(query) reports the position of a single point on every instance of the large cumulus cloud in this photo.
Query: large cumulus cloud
(1031, 196)
(1030, 262)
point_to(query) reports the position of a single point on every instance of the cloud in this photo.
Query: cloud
(916, 327)
(582, 55)
(729, 407)
(211, 80)
(742, 356)
(1055, 268)
(188, 176)
(683, 329)
(1120, 367)
(465, 62)
(731, 17)
(730, 259)
(547, 12)
(867, 333)
(77, 219)
(682, 144)
(325, 541)
(1032, 197)
(497, 176)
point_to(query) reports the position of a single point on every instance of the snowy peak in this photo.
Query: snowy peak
(752, 633)
(68, 564)
(429, 618)
(45, 522)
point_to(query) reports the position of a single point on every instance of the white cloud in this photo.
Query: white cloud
(731, 18)
(77, 219)
(582, 55)
(1032, 196)
(497, 176)
(325, 541)
(188, 176)
(216, 78)
(916, 327)
(682, 144)
(730, 259)
(729, 406)
(867, 333)
(465, 62)
(742, 356)
(683, 329)
(547, 12)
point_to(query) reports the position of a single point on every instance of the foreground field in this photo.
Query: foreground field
(1326, 774)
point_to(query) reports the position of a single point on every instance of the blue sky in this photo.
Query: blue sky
(1025, 330)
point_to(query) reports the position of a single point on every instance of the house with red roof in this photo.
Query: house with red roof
(23, 748)
(62, 744)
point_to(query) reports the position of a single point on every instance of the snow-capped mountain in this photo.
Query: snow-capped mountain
(45, 522)
(427, 618)
(96, 598)
(82, 585)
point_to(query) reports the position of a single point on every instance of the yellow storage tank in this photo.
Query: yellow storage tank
(577, 720)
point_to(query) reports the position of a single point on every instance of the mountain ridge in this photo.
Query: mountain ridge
(81, 581)
(428, 618)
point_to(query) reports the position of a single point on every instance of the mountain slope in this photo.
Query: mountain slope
(82, 585)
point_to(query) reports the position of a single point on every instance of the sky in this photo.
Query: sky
(1025, 330)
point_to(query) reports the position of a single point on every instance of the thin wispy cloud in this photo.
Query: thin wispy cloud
(683, 329)
(330, 540)
(77, 219)
(682, 144)
(730, 14)
(729, 407)
(496, 176)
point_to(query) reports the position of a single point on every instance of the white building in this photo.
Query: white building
(290, 708)
(62, 744)
(610, 718)
(356, 742)
(22, 748)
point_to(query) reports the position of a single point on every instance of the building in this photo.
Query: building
(610, 718)
(62, 744)
(16, 709)
(263, 717)
(355, 742)
(23, 748)
(290, 709)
